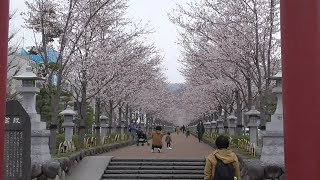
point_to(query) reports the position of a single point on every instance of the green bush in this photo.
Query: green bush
(60, 139)
(76, 141)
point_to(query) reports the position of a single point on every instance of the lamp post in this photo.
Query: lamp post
(220, 124)
(253, 124)
(273, 139)
(39, 135)
(213, 126)
(232, 124)
(103, 126)
(68, 115)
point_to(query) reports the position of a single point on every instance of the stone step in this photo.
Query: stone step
(138, 179)
(158, 160)
(155, 167)
(152, 176)
(156, 171)
(137, 163)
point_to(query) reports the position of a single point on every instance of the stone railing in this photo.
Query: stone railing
(59, 168)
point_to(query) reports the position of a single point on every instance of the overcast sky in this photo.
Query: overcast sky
(153, 12)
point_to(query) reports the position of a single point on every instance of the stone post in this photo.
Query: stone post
(206, 126)
(213, 126)
(253, 124)
(39, 135)
(220, 125)
(109, 125)
(122, 127)
(103, 127)
(273, 139)
(232, 124)
(68, 115)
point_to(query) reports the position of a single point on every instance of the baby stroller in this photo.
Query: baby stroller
(142, 138)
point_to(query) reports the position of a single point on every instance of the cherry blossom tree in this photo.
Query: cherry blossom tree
(232, 40)
(64, 24)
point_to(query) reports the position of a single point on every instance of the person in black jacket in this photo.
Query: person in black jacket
(200, 130)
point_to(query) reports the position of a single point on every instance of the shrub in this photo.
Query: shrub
(76, 141)
(60, 139)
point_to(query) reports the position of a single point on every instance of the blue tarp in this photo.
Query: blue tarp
(52, 55)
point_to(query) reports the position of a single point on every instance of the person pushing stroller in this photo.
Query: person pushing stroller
(141, 137)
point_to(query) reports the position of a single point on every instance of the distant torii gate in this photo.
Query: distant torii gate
(300, 32)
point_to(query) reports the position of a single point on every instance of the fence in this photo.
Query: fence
(250, 148)
(66, 147)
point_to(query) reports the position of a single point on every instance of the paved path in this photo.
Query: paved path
(90, 168)
(182, 148)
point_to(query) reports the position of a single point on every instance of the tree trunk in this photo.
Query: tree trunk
(55, 99)
(97, 120)
(83, 112)
(238, 113)
(127, 115)
(250, 99)
(111, 114)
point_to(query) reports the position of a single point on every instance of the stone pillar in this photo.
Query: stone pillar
(232, 124)
(110, 127)
(273, 139)
(220, 125)
(39, 135)
(206, 126)
(122, 127)
(213, 126)
(103, 127)
(68, 115)
(253, 124)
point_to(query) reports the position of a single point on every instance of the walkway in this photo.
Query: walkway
(182, 148)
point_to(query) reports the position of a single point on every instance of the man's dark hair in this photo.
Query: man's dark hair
(222, 142)
(168, 133)
(158, 128)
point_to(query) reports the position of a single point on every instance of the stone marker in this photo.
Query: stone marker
(17, 142)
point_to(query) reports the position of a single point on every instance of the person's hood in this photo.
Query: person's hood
(225, 155)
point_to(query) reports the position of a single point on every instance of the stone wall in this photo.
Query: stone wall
(60, 168)
(254, 169)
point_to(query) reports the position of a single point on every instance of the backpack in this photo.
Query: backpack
(223, 171)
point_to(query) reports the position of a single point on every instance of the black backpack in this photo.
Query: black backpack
(223, 171)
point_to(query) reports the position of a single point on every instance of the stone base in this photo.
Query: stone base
(276, 123)
(40, 146)
(273, 148)
(36, 125)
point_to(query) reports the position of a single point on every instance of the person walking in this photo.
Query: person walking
(183, 129)
(222, 163)
(187, 132)
(133, 130)
(200, 130)
(177, 130)
(157, 139)
(168, 140)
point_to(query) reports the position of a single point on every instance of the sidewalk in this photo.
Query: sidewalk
(182, 147)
